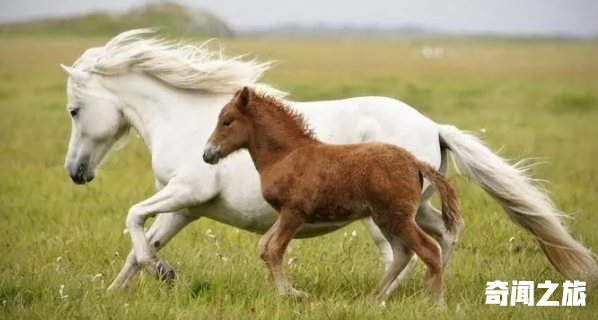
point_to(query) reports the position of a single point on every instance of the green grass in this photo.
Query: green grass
(536, 99)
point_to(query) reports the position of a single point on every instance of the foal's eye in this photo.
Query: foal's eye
(74, 112)
(227, 123)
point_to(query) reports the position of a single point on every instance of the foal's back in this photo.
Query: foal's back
(343, 182)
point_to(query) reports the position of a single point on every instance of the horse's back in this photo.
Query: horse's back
(374, 119)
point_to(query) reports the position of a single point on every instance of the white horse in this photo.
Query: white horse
(171, 93)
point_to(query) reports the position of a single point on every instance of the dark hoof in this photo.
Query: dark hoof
(165, 272)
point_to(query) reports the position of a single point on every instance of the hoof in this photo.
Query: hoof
(439, 305)
(377, 299)
(112, 288)
(165, 272)
(294, 293)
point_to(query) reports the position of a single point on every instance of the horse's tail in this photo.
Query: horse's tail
(448, 197)
(526, 202)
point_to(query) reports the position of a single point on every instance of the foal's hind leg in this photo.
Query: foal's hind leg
(427, 250)
(387, 253)
(402, 257)
(273, 249)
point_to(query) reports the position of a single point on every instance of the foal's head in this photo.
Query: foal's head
(233, 129)
(252, 119)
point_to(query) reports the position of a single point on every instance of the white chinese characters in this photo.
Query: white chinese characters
(497, 296)
(574, 293)
(522, 292)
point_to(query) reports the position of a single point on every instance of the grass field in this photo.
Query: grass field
(538, 99)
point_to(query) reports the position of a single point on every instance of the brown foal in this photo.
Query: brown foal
(308, 181)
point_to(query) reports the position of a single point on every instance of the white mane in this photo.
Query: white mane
(178, 64)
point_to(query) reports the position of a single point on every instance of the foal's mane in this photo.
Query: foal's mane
(279, 111)
(178, 64)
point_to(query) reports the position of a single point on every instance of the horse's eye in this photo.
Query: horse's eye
(74, 112)
(227, 123)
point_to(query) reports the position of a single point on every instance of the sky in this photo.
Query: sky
(576, 17)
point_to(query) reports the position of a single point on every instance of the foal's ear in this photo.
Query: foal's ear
(244, 98)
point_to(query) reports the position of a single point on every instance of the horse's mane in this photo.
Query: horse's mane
(277, 108)
(178, 64)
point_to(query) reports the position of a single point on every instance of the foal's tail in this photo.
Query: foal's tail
(526, 203)
(448, 197)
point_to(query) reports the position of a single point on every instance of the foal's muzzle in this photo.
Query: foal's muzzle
(212, 154)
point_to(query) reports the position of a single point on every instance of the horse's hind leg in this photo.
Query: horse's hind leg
(273, 246)
(430, 220)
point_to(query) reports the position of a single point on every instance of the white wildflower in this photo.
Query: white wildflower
(354, 233)
(211, 234)
(61, 291)
(293, 259)
(513, 247)
(223, 257)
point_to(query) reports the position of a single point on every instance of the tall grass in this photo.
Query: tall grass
(535, 99)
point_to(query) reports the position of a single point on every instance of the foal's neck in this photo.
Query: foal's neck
(277, 132)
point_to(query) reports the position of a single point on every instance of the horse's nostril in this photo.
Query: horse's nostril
(80, 174)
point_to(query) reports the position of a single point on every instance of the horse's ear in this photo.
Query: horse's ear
(77, 75)
(244, 98)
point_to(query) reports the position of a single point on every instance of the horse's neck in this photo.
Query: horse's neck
(161, 113)
(271, 142)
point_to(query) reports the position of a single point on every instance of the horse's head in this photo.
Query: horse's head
(233, 129)
(97, 124)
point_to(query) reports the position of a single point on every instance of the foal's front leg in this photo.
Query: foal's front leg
(173, 197)
(273, 246)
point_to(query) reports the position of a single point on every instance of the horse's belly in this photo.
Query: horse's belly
(258, 220)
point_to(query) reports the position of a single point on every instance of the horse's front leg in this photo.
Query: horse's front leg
(173, 197)
(166, 226)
